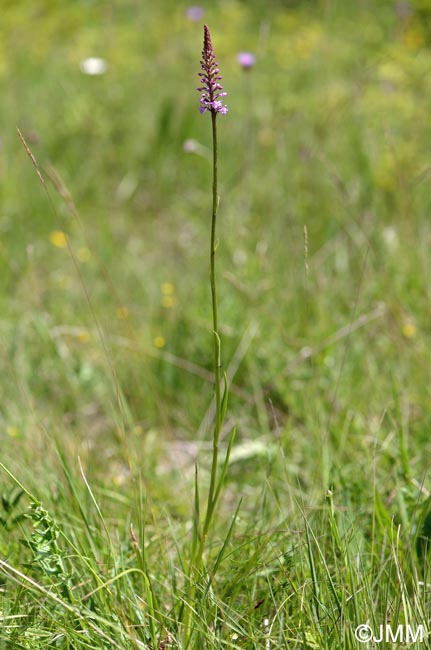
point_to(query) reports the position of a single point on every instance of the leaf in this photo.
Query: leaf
(224, 468)
(224, 399)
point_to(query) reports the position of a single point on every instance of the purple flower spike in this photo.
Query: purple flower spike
(246, 60)
(194, 13)
(211, 88)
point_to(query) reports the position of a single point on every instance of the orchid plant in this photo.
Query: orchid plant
(211, 101)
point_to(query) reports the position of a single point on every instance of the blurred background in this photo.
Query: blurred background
(324, 256)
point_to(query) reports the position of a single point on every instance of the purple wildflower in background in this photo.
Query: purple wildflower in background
(246, 60)
(211, 87)
(194, 13)
(403, 9)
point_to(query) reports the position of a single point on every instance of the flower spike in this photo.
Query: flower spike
(211, 89)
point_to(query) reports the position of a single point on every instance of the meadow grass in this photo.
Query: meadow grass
(106, 335)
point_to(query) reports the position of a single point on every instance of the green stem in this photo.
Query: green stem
(196, 558)
(217, 361)
(200, 533)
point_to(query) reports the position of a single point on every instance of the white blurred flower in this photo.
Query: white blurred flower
(93, 66)
(391, 238)
(191, 146)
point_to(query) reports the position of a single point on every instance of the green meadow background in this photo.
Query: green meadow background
(324, 283)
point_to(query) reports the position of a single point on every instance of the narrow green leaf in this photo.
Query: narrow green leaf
(225, 398)
(196, 520)
(227, 539)
(224, 468)
(151, 612)
(218, 348)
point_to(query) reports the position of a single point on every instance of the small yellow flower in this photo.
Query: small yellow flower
(119, 479)
(409, 330)
(168, 289)
(168, 301)
(159, 342)
(58, 239)
(137, 430)
(122, 313)
(83, 254)
(84, 336)
(413, 38)
(12, 431)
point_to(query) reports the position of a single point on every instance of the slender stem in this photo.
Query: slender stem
(217, 361)
(196, 560)
(216, 335)
(200, 534)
